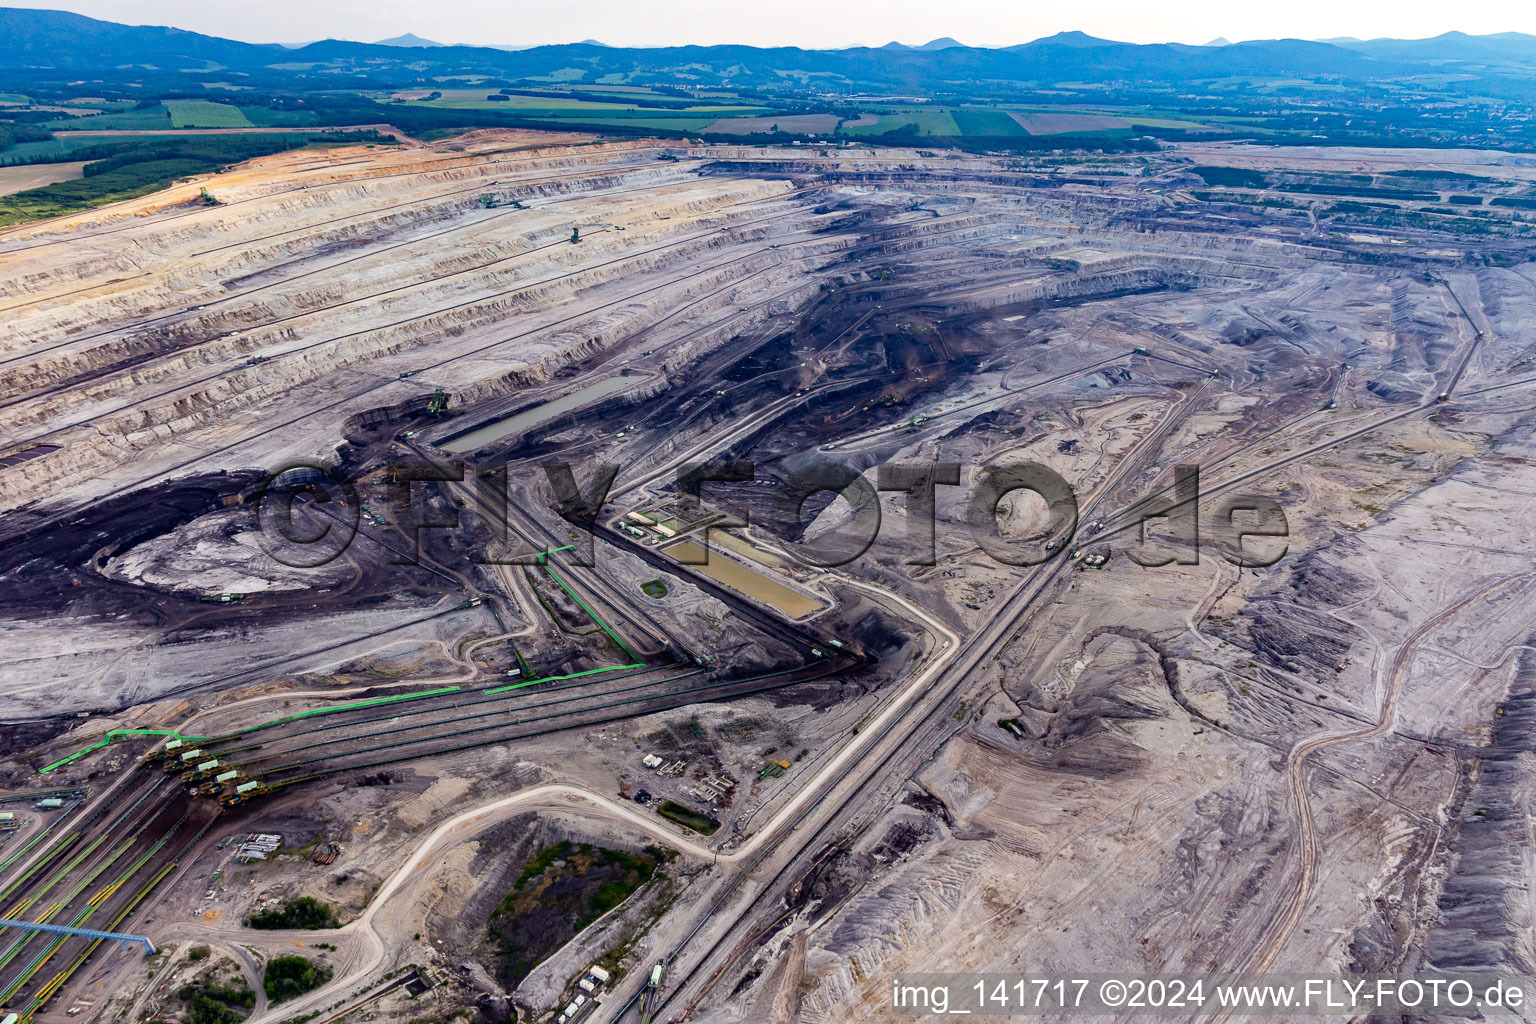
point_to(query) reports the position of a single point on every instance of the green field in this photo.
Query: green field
(928, 121)
(561, 75)
(44, 152)
(993, 123)
(262, 117)
(126, 120)
(1173, 123)
(205, 114)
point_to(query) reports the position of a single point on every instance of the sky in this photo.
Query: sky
(807, 23)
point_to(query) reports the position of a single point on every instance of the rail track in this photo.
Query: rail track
(93, 877)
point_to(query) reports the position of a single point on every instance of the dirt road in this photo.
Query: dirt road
(1296, 901)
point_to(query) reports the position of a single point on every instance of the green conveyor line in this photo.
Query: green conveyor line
(555, 679)
(116, 734)
(353, 706)
(635, 659)
(544, 561)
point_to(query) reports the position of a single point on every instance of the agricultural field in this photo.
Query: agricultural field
(1065, 122)
(28, 176)
(45, 150)
(77, 193)
(127, 120)
(990, 122)
(264, 117)
(1276, 85)
(983, 123)
(205, 114)
(804, 124)
(561, 75)
(928, 121)
(619, 89)
(1175, 124)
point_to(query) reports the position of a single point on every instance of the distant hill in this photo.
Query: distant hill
(59, 39)
(78, 47)
(1078, 40)
(409, 39)
(942, 43)
(1502, 46)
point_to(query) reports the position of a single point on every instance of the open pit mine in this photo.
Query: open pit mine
(411, 589)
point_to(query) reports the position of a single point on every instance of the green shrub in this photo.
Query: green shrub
(305, 912)
(212, 1003)
(289, 977)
